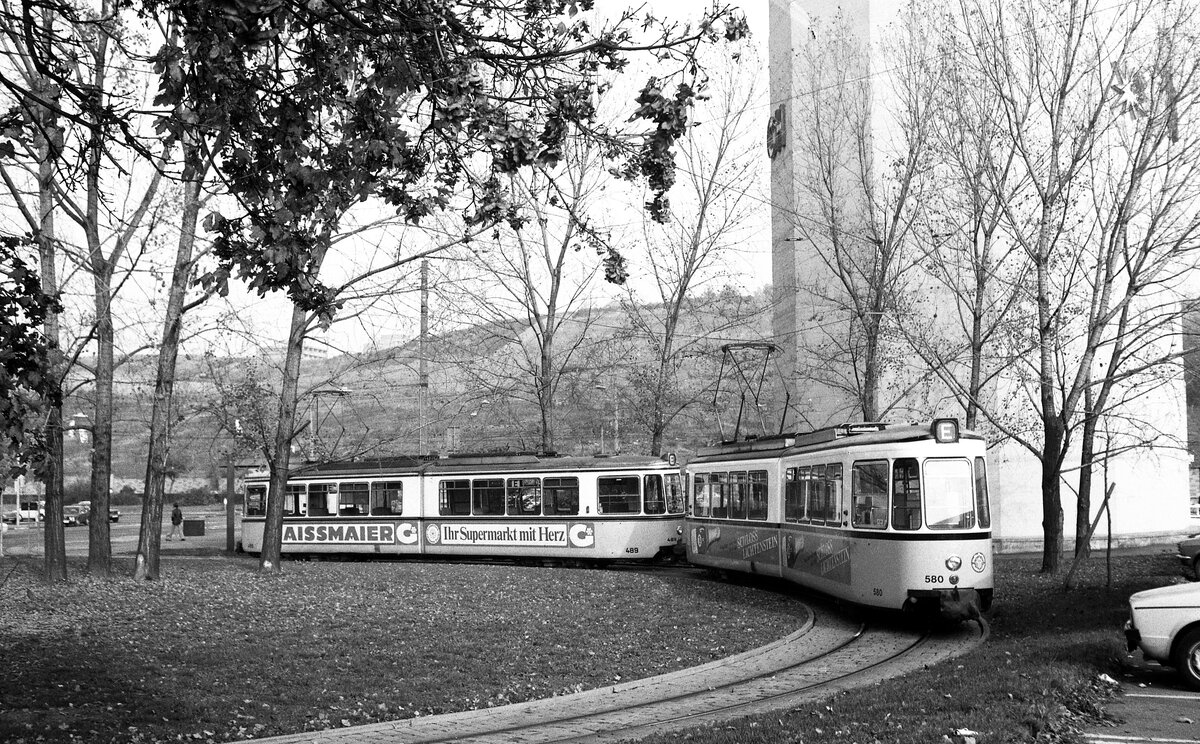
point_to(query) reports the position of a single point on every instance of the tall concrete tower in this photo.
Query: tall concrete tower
(823, 57)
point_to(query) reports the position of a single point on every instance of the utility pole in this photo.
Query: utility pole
(423, 372)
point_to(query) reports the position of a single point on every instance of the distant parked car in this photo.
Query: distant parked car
(113, 514)
(9, 517)
(75, 515)
(1189, 556)
(1165, 624)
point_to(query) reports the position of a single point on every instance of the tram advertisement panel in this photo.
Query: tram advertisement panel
(822, 555)
(551, 535)
(737, 543)
(372, 533)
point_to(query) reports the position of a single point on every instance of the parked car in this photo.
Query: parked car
(1165, 624)
(1189, 556)
(113, 514)
(75, 515)
(9, 517)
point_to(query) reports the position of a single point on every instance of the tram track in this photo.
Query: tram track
(826, 656)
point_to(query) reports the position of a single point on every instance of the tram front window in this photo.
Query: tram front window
(675, 495)
(655, 501)
(982, 509)
(949, 498)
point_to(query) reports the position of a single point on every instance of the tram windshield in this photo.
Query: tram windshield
(949, 496)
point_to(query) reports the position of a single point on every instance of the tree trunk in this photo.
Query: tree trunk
(281, 456)
(1087, 455)
(99, 547)
(146, 563)
(49, 146)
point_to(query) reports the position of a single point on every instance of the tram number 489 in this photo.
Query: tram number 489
(934, 579)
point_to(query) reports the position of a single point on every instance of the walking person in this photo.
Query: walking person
(176, 523)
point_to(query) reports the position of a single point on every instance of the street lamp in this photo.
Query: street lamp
(616, 423)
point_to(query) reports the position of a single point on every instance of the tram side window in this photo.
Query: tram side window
(718, 488)
(793, 495)
(354, 499)
(819, 510)
(454, 498)
(256, 501)
(906, 494)
(737, 495)
(655, 500)
(387, 497)
(487, 496)
(619, 494)
(560, 496)
(524, 496)
(869, 494)
(674, 494)
(295, 500)
(756, 495)
(701, 495)
(983, 511)
(322, 499)
(833, 494)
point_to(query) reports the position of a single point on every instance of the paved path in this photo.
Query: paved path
(823, 657)
(1154, 707)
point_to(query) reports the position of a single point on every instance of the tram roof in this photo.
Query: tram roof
(825, 438)
(475, 462)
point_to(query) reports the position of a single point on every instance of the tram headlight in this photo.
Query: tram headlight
(954, 563)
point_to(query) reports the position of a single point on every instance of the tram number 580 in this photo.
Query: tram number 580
(934, 579)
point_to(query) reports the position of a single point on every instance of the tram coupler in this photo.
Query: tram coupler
(952, 605)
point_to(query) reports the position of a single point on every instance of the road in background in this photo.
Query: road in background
(29, 539)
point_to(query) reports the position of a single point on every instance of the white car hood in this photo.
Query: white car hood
(1174, 595)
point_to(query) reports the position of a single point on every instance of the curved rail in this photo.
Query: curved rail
(827, 655)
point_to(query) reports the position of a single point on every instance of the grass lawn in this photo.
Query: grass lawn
(215, 652)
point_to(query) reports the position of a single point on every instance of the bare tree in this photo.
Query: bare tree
(534, 284)
(866, 193)
(1105, 226)
(962, 329)
(713, 204)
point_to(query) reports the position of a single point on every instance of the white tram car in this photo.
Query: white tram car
(512, 506)
(890, 516)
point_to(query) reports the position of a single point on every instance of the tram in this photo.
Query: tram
(889, 516)
(595, 509)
